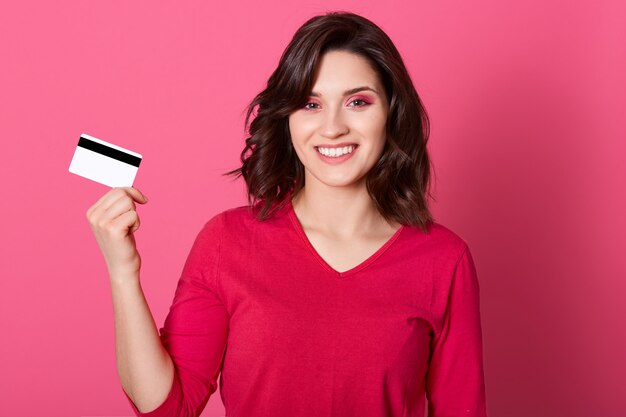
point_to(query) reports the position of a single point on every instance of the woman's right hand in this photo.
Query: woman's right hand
(113, 220)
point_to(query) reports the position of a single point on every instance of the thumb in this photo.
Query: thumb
(137, 195)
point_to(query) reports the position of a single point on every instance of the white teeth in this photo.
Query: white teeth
(335, 152)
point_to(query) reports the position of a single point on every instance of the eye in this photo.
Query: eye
(307, 105)
(360, 102)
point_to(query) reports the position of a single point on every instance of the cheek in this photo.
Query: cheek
(296, 136)
(374, 128)
(373, 123)
(295, 128)
(302, 130)
(290, 126)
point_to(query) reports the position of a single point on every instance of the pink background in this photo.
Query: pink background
(527, 105)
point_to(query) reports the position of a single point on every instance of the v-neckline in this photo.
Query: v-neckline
(338, 274)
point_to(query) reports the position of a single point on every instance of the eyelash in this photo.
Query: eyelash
(365, 103)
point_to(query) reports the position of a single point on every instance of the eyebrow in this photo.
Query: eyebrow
(348, 92)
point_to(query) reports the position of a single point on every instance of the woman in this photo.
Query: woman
(333, 293)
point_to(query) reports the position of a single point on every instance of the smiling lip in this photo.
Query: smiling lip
(337, 145)
(335, 160)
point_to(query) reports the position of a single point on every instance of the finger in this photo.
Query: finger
(97, 204)
(107, 200)
(127, 222)
(112, 197)
(123, 192)
(97, 213)
(119, 207)
(137, 195)
(101, 217)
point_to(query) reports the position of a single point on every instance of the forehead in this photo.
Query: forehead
(340, 70)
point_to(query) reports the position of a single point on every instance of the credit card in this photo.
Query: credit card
(104, 162)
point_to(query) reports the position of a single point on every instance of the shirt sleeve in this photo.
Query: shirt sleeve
(455, 383)
(195, 330)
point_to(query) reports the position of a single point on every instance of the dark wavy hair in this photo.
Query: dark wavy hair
(399, 183)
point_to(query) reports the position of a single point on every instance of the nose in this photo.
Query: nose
(333, 125)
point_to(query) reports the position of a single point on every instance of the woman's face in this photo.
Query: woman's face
(346, 112)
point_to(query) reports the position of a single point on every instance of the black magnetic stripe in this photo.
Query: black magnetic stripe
(107, 151)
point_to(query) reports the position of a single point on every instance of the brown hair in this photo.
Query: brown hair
(399, 183)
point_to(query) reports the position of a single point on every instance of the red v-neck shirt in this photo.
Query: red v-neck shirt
(292, 337)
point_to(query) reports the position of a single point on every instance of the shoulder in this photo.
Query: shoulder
(441, 242)
(233, 214)
(446, 236)
(227, 218)
(238, 222)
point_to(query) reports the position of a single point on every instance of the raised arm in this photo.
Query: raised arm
(174, 373)
(195, 332)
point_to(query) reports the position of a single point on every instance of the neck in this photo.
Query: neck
(342, 212)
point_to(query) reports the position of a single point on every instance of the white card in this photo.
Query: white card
(104, 162)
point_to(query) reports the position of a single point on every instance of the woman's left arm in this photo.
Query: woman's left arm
(455, 384)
